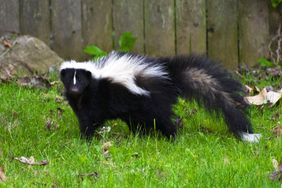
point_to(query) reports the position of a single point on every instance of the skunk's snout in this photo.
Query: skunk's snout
(74, 91)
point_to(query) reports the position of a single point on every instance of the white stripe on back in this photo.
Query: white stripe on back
(121, 69)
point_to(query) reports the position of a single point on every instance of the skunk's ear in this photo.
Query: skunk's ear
(88, 75)
(63, 72)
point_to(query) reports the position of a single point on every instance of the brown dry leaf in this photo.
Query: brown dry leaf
(264, 97)
(51, 125)
(48, 124)
(105, 147)
(276, 116)
(92, 174)
(277, 173)
(3, 177)
(7, 44)
(31, 161)
(259, 99)
(277, 131)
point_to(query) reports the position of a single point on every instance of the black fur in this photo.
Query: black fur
(192, 77)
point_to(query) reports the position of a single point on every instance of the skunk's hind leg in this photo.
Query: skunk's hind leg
(162, 124)
(136, 127)
(167, 128)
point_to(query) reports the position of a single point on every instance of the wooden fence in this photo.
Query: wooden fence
(233, 31)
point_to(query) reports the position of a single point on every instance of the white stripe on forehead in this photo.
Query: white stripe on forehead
(74, 78)
(120, 69)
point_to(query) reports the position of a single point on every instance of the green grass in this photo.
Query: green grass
(203, 155)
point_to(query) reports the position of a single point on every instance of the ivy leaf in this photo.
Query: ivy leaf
(94, 51)
(126, 42)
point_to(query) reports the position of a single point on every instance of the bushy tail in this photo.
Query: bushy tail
(210, 84)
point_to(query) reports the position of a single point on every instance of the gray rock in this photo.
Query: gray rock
(25, 56)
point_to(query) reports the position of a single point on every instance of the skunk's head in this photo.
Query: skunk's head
(75, 79)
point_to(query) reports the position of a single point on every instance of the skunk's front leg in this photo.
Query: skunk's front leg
(87, 126)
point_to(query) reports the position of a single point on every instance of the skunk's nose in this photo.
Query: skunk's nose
(74, 91)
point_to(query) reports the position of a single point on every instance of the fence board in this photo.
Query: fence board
(159, 27)
(66, 27)
(275, 19)
(128, 16)
(9, 16)
(222, 31)
(231, 31)
(97, 23)
(35, 19)
(253, 30)
(190, 26)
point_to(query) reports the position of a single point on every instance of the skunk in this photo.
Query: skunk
(142, 90)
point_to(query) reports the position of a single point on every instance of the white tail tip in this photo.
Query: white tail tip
(253, 138)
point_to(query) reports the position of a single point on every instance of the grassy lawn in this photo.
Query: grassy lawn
(34, 123)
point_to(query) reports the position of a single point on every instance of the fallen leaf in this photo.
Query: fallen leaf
(105, 147)
(264, 97)
(273, 97)
(249, 89)
(276, 116)
(92, 174)
(277, 131)
(277, 173)
(48, 124)
(257, 99)
(3, 177)
(7, 43)
(51, 125)
(31, 161)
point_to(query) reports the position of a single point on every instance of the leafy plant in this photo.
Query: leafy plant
(126, 43)
(275, 3)
(265, 63)
(94, 51)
